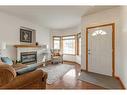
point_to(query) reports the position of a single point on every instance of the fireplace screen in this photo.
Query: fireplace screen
(29, 57)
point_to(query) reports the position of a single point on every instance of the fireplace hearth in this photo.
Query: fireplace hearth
(28, 57)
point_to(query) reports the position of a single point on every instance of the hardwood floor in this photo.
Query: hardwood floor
(69, 81)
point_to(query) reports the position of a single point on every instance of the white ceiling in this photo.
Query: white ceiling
(53, 17)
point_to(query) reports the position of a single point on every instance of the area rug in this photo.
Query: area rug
(100, 80)
(55, 71)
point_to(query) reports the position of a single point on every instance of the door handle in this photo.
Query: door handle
(89, 53)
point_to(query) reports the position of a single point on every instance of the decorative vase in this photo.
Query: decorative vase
(36, 43)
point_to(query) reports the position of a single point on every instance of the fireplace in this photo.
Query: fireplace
(28, 57)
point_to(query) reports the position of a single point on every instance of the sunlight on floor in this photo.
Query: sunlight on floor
(71, 73)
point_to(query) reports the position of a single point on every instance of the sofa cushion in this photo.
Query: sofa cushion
(26, 69)
(19, 66)
(7, 60)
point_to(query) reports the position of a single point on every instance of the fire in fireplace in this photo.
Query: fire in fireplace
(28, 57)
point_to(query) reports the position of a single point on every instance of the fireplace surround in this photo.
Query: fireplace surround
(28, 57)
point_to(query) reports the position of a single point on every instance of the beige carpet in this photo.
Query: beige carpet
(55, 71)
(100, 80)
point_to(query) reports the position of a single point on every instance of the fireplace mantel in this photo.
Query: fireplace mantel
(27, 46)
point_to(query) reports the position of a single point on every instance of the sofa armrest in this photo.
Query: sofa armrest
(25, 80)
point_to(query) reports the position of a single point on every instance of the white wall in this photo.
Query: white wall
(65, 32)
(118, 16)
(10, 33)
(123, 46)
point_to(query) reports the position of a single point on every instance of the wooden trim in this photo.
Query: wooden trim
(70, 61)
(77, 39)
(110, 24)
(113, 49)
(86, 49)
(113, 45)
(123, 87)
(53, 41)
(68, 35)
(61, 45)
(77, 45)
(27, 46)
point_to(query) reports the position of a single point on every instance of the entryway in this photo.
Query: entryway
(100, 49)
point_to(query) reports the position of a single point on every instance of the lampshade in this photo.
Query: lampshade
(2, 45)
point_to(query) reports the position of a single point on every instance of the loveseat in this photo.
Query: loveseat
(32, 80)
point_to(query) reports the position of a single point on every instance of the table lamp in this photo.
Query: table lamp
(2, 47)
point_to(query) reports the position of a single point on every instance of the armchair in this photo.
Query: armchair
(56, 56)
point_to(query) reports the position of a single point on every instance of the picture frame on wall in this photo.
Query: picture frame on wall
(25, 35)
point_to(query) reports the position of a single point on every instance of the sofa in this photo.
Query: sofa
(10, 80)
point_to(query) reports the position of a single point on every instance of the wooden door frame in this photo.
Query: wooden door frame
(113, 45)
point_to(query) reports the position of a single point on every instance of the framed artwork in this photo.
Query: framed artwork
(25, 35)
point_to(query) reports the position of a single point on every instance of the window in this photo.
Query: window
(56, 42)
(69, 46)
(79, 44)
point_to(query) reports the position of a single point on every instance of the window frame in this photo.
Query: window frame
(78, 37)
(69, 39)
(58, 40)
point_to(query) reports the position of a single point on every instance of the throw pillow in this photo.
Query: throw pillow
(6, 60)
(26, 69)
(56, 54)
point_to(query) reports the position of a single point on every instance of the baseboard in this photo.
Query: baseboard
(83, 70)
(123, 87)
(70, 61)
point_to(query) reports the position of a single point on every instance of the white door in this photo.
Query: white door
(100, 50)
